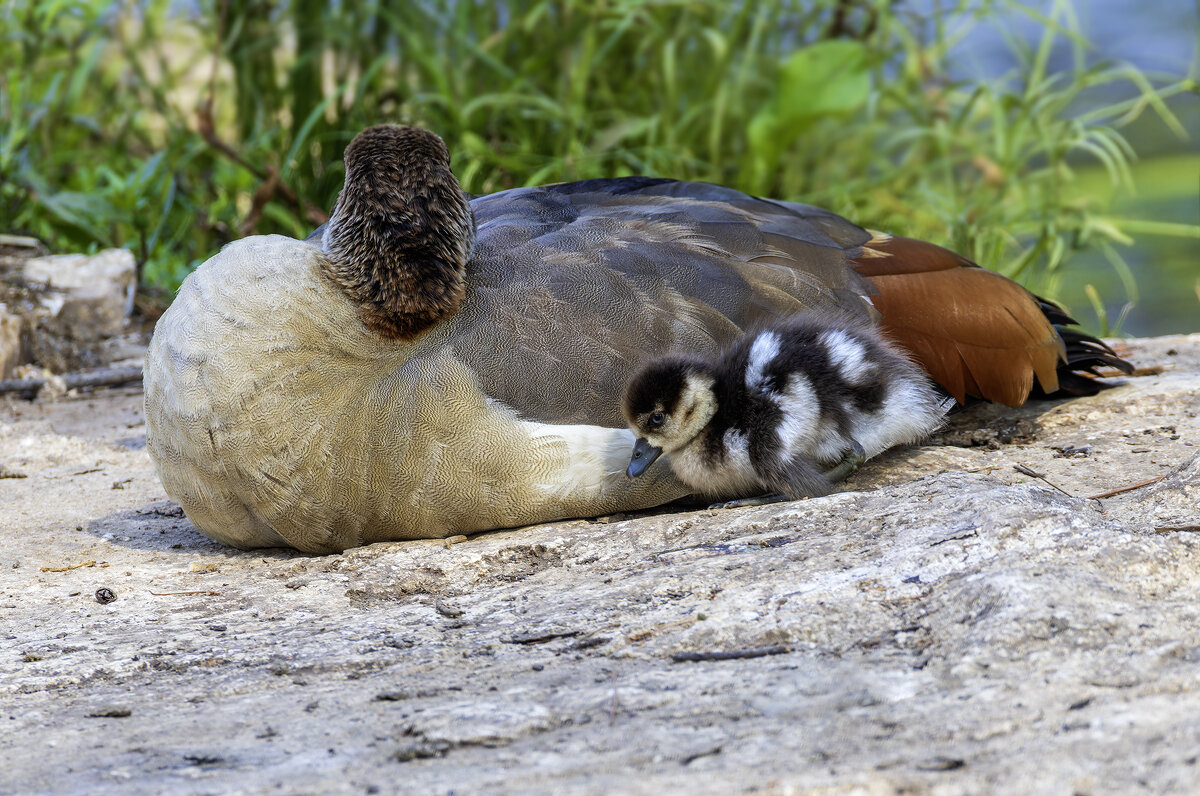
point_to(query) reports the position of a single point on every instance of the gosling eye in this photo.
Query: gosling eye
(656, 420)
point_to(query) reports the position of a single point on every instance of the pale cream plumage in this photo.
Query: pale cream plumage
(277, 418)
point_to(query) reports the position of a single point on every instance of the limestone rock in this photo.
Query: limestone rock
(72, 305)
(10, 342)
(66, 313)
(987, 613)
(90, 296)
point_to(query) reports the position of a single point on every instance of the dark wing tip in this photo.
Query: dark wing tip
(1086, 355)
(1085, 352)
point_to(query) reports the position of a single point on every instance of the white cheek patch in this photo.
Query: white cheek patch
(697, 397)
(764, 349)
(848, 355)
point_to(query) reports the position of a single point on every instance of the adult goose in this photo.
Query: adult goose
(424, 365)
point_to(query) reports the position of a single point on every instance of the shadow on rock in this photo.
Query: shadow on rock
(162, 526)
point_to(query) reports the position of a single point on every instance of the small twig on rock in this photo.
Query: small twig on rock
(106, 377)
(1110, 493)
(971, 534)
(1177, 528)
(694, 756)
(112, 712)
(90, 563)
(729, 655)
(445, 609)
(1029, 471)
(541, 637)
(940, 763)
(588, 643)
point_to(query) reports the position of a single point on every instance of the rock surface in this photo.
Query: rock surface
(66, 312)
(949, 624)
(90, 296)
(10, 342)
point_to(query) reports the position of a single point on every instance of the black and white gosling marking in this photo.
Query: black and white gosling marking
(791, 409)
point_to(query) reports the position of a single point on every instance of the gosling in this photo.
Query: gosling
(791, 409)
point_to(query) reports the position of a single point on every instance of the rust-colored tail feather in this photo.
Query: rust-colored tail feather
(976, 332)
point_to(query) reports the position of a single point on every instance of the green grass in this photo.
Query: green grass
(846, 104)
(1155, 287)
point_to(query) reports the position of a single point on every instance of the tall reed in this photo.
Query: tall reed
(143, 124)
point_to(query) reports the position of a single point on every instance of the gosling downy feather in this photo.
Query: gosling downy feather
(788, 409)
(411, 372)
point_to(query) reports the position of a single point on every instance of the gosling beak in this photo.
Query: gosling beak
(643, 456)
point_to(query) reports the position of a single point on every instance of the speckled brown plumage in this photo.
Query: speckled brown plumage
(401, 232)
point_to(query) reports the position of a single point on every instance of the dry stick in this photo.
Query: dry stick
(107, 377)
(541, 636)
(177, 593)
(1177, 529)
(265, 193)
(90, 563)
(1029, 471)
(19, 241)
(729, 655)
(204, 120)
(1154, 480)
(642, 635)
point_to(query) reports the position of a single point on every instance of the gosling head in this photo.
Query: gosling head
(667, 405)
(401, 232)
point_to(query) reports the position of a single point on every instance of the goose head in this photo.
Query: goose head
(401, 232)
(667, 404)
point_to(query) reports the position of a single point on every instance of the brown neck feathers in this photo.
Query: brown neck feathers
(401, 233)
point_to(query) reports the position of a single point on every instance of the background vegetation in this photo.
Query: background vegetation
(172, 128)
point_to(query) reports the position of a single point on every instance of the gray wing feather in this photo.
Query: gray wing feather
(571, 287)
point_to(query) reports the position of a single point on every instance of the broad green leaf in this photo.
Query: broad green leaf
(829, 78)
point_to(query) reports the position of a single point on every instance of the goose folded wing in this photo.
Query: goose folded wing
(572, 287)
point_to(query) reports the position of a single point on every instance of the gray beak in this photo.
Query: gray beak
(643, 456)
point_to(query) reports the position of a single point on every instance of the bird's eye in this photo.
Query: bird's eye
(656, 420)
